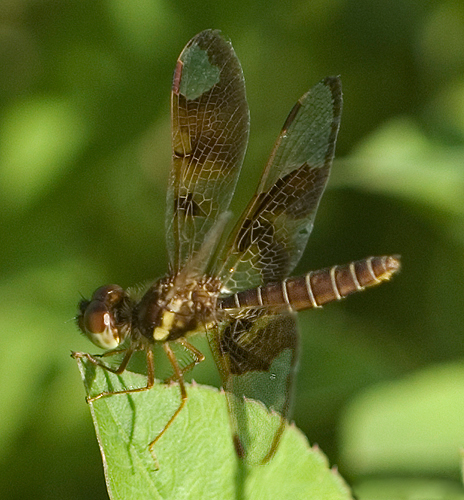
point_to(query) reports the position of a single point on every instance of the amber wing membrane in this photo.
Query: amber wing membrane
(210, 123)
(258, 357)
(268, 241)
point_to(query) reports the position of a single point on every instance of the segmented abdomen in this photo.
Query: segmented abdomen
(317, 287)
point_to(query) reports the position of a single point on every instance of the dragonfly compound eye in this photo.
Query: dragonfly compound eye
(97, 320)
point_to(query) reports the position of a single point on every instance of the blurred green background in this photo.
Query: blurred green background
(84, 158)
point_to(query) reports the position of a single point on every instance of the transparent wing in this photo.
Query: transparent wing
(268, 241)
(257, 357)
(210, 123)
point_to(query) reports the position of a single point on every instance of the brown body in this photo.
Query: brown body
(317, 287)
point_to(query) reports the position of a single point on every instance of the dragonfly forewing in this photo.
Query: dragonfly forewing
(270, 238)
(210, 123)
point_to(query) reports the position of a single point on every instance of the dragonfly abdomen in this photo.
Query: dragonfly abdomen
(317, 287)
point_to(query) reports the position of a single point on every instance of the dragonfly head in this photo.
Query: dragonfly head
(98, 317)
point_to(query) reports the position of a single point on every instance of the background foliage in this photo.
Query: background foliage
(84, 156)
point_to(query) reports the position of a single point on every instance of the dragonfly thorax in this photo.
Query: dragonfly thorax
(170, 310)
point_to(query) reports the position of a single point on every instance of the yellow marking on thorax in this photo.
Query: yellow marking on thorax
(162, 332)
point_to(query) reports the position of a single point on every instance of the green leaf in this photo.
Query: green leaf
(195, 456)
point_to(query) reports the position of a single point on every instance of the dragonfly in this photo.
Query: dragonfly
(239, 293)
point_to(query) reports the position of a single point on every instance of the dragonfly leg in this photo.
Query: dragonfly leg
(197, 356)
(119, 370)
(178, 374)
(96, 359)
